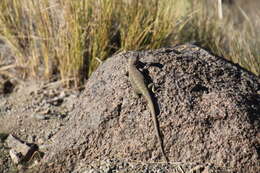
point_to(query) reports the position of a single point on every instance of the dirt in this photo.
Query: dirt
(208, 110)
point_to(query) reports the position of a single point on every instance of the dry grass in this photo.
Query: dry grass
(67, 40)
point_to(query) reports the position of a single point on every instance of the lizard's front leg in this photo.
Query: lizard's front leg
(136, 91)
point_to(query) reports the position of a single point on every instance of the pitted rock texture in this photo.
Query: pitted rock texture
(208, 111)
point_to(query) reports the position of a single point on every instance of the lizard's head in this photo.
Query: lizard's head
(132, 60)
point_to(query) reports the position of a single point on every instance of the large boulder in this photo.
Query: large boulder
(209, 112)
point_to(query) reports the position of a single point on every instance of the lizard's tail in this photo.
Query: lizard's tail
(156, 124)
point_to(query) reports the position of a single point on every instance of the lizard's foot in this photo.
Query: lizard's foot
(153, 87)
(147, 65)
(136, 95)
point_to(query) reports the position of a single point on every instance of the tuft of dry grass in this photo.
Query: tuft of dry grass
(68, 40)
(235, 37)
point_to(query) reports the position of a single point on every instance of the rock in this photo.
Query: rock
(40, 141)
(207, 109)
(56, 101)
(48, 135)
(17, 145)
(15, 156)
(62, 95)
(19, 149)
(6, 87)
(3, 137)
(40, 116)
(31, 138)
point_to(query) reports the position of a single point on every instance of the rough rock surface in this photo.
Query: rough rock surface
(209, 112)
(20, 150)
(34, 112)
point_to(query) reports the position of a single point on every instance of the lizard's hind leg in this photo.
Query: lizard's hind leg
(136, 93)
(154, 88)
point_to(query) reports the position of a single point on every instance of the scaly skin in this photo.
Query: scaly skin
(139, 86)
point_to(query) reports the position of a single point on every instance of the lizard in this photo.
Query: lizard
(137, 81)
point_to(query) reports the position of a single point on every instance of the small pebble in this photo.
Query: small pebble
(40, 117)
